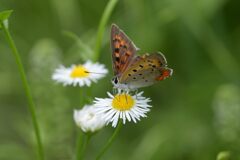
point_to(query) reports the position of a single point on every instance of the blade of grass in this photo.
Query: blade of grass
(105, 17)
(31, 105)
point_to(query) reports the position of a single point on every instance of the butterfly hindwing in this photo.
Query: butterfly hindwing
(123, 50)
(146, 70)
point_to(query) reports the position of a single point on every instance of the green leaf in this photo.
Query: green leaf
(224, 155)
(5, 14)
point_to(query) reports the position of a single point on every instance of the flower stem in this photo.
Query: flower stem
(81, 100)
(110, 140)
(106, 14)
(81, 146)
(31, 105)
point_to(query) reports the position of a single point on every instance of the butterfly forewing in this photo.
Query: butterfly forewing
(123, 50)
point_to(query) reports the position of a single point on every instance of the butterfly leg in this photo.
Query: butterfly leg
(126, 92)
(136, 93)
(114, 91)
(119, 91)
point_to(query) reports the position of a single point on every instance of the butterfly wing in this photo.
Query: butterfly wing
(123, 50)
(146, 70)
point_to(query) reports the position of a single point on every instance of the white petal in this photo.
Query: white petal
(128, 116)
(87, 119)
(115, 120)
(124, 118)
(63, 74)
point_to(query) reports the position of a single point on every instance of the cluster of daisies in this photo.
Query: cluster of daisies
(120, 106)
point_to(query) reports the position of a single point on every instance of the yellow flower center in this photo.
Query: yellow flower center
(123, 102)
(79, 72)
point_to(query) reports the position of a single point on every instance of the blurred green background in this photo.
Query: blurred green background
(196, 112)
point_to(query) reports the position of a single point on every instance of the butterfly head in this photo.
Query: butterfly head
(115, 81)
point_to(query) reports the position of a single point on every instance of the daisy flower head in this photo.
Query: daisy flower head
(122, 106)
(81, 75)
(87, 119)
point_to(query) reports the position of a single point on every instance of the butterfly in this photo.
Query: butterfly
(132, 71)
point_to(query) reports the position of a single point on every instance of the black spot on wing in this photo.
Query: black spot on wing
(116, 50)
(117, 59)
(116, 40)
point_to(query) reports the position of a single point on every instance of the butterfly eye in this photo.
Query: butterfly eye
(115, 80)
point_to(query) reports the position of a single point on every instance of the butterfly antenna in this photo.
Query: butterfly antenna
(136, 93)
(93, 72)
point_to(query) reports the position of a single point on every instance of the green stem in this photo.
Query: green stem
(106, 14)
(81, 103)
(110, 140)
(31, 105)
(81, 147)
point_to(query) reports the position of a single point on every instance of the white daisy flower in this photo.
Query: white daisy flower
(87, 119)
(124, 106)
(80, 75)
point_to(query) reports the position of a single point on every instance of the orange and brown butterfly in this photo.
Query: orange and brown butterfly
(132, 71)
